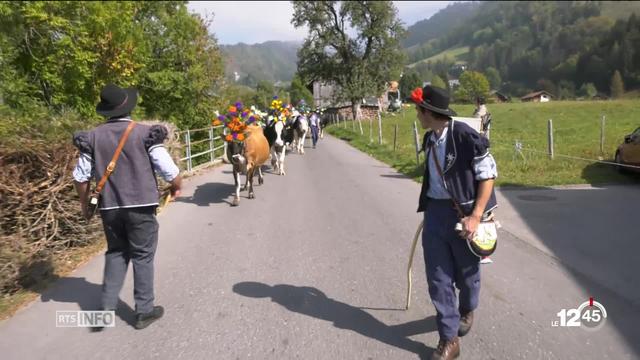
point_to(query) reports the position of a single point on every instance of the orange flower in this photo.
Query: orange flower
(241, 137)
(232, 109)
(217, 122)
(229, 137)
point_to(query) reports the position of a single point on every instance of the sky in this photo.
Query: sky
(254, 22)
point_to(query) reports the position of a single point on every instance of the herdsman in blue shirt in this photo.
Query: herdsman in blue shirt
(129, 198)
(468, 173)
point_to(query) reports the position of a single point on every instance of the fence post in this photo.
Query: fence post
(550, 139)
(370, 130)
(417, 142)
(379, 129)
(395, 136)
(602, 136)
(211, 143)
(187, 138)
(224, 145)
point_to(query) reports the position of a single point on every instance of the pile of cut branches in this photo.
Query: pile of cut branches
(39, 210)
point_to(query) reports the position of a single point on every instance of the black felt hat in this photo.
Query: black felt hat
(432, 98)
(115, 101)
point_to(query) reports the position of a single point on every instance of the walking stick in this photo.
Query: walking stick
(413, 251)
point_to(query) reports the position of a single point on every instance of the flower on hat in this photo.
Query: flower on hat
(416, 95)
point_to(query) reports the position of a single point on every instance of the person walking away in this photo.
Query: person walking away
(458, 168)
(129, 197)
(314, 122)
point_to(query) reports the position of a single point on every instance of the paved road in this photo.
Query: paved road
(313, 268)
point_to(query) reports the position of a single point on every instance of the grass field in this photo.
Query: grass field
(457, 53)
(576, 133)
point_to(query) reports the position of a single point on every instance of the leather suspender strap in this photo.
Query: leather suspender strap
(435, 157)
(114, 159)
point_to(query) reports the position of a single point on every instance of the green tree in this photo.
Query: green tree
(493, 76)
(297, 92)
(61, 54)
(472, 85)
(617, 86)
(358, 65)
(438, 82)
(408, 82)
(588, 90)
(264, 94)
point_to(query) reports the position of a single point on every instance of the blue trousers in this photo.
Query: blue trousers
(448, 261)
(314, 134)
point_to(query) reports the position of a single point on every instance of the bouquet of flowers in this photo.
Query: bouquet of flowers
(236, 121)
(279, 112)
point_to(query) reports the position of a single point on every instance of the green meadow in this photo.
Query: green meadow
(577, 127)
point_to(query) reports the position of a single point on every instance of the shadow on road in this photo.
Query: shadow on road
(210, 193)
(87, 295)
(313, 302)
(593, 234)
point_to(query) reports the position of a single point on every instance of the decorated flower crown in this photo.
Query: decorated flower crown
(279, 112)
(236, 120)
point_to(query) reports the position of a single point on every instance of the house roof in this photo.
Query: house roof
(535, 94)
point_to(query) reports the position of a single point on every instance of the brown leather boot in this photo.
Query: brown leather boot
(447, 349)
(466, 321)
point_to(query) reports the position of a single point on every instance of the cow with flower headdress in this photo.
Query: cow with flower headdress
(247, 147)
(279, 133)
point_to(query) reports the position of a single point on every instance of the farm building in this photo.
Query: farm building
(538, 96)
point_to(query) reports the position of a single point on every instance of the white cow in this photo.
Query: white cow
(301, 128)
(278, 134)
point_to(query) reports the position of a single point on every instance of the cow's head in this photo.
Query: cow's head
(235, 153)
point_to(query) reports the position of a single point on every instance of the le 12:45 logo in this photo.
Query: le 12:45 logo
(590, 315)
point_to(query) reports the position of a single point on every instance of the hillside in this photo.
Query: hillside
(272, 61)
(556, 46)
(440, 23)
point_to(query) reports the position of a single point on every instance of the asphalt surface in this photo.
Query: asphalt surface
(314, 268)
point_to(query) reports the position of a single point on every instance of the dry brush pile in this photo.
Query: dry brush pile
(40, 214)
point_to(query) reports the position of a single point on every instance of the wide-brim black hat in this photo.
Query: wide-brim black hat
(433, 99)
(115, 101)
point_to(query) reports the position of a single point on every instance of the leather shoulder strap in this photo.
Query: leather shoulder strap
(114, 159)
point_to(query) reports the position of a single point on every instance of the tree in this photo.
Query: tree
(358, 65)
(588, 90)
(472, 85)
(264, 94)
(438, 82)
(408, 82)
(61, 54)
(495, 81)
(617, 86)
(298, 91)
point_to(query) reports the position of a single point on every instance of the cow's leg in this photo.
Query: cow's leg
(260, 177)
(304, 135)
(281, 162)
(236, 179)
(250, 182)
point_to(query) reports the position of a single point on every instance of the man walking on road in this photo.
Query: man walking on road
(129, 197)
(458, 168)
(314, 122)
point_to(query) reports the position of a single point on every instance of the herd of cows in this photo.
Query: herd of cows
(262, 143)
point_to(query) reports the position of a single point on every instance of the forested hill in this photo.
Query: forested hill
(557, 46)
(272, 61)
(440, 23)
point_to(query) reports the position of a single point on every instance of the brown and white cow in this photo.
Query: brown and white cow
(248, 156)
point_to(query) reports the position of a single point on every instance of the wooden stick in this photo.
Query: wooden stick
(411, 255)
